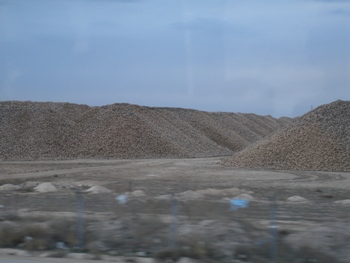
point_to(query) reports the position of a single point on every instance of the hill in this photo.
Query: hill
(319, 141)
(38, 130)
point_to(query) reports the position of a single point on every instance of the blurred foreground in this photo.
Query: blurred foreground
(172, 210)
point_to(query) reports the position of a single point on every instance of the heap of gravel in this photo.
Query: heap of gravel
(318, 141)
(36, 130)
(9, 187)
(45, 188)
(98, 189)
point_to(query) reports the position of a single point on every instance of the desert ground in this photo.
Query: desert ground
(172, 204)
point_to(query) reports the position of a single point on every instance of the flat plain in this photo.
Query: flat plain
(178, 201)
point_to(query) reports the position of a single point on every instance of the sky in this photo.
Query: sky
(271, 57)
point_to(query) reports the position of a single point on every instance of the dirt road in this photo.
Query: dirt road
(205, 170)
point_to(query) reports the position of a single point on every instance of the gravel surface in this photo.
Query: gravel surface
(33, 130)
(317, 141)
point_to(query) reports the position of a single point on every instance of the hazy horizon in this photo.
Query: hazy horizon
(278, 58)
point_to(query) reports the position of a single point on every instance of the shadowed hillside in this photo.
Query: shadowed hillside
(33, 130)
(319, 140)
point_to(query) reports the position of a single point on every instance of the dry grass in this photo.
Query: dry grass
(284, 254)
(40, 236)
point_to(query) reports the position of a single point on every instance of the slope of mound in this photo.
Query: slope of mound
(319, 141)
(33, 130)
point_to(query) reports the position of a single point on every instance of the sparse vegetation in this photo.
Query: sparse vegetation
(284, 254)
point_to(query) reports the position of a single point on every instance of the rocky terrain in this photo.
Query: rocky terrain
(318, 141)
(165, 210)
(33, 130)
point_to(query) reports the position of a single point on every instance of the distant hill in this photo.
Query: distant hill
(36, 130)
(319, 140)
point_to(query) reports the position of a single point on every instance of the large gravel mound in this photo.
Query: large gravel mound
(33, 130)
(319, 141)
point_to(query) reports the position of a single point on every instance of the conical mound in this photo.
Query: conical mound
(318, 141)
(33, 130)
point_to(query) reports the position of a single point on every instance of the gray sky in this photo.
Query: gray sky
(278, 57)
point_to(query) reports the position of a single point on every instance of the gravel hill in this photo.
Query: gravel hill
(318, 141)
(35, 130)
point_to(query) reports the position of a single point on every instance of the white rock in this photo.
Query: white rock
(231, 191)
(210, 191)
(244, 197)
(343, 202)
(98, 189)
(189, 195)
(45, 188)
(163, 197)
(138, 193)
(296, 199)
(9, 187)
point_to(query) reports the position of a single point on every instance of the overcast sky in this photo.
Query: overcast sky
(276, 58)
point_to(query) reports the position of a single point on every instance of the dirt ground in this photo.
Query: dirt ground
(193, 193)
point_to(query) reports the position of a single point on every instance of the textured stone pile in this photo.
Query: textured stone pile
(33, 130)
(318, 141)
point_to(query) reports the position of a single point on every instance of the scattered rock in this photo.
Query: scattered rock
(189, 195)
(212, 192)
(244, 197)
(296, 199)
(232, 191)
(200, 194)
(9, 187)
(137, 193)
(45, 188)
(141, 254)
(343, 202)
(98, 189)
(29, 185)
(163, 197)
(85, 184)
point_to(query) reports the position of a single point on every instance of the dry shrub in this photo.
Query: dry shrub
(309, 255)
(190, 247)
(31, 237)
(142, 231)
(10, 235)
(36, 244)
(9, 216)
(199, 249)
(35, 237)
(172, 254)
(58, 254)
(66, 230)
(63, 231)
